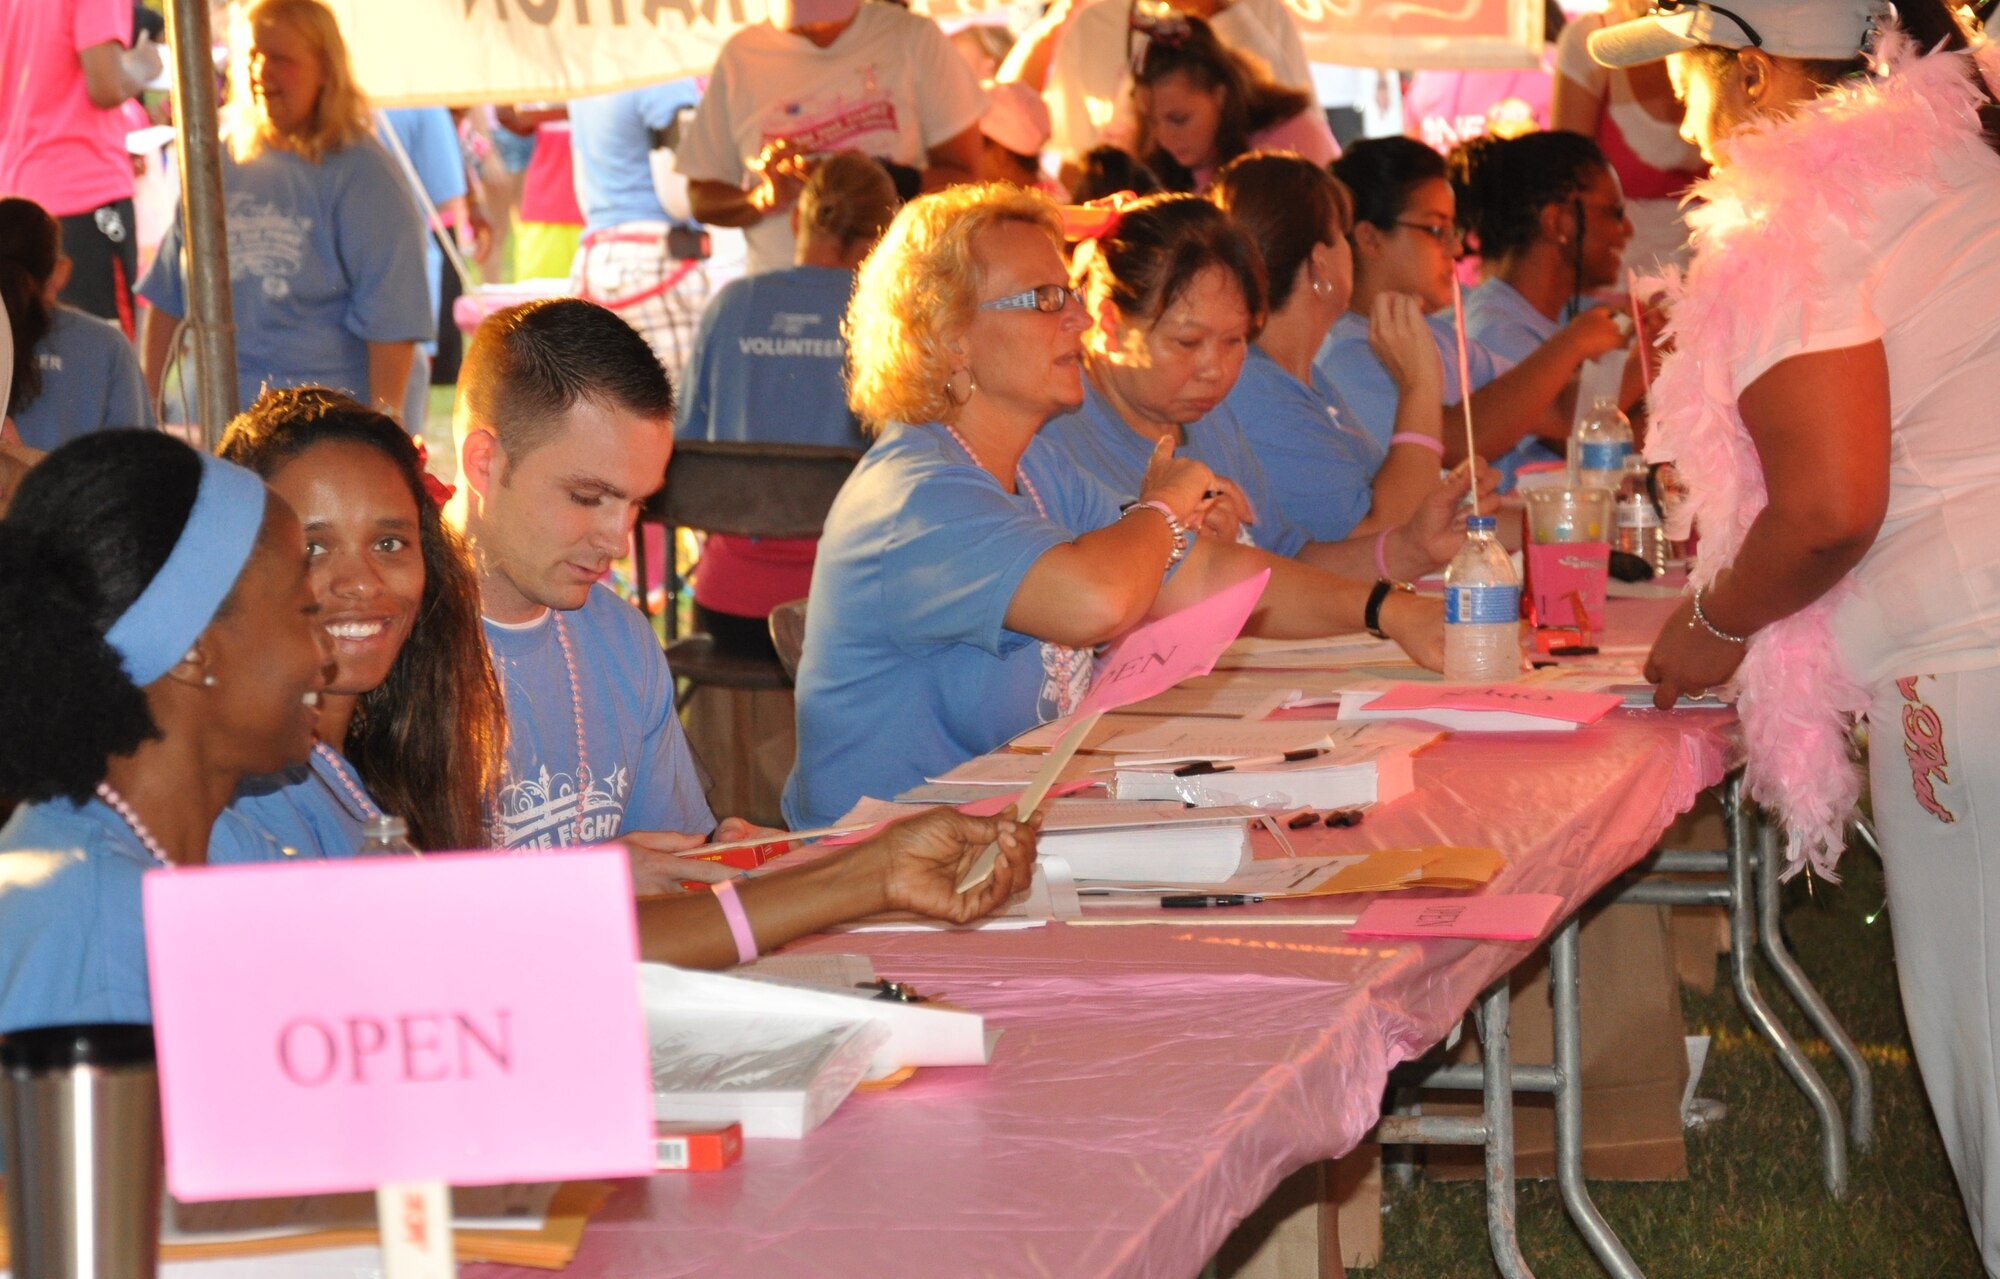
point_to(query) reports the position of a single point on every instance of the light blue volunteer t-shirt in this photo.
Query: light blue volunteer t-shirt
(323, 259)
(90, 381)
(1507, 324)
(769, 364)
(306, 809)
(612, 137)
(909, 668)
(641, 775)
(430, 139)
(72, 930)
(1321, 465)
(1367, 390)
(1096, 439)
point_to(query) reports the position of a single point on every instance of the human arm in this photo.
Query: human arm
(1820, 424)
(156, 348)
(1419, 545)
(1301, 601)
(1028, 61)
(112, 73)
(780, 172)
(1527, 399)
(389, 365)
(913, 865)
(1087, 591)
(1580, 84)
(1403, 342)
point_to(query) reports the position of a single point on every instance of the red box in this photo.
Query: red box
(696, 1147)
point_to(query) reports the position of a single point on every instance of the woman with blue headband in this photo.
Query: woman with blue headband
(158, 626)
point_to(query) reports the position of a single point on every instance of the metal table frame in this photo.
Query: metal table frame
(1750, 892)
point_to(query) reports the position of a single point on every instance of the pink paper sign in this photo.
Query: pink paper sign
(1160, 654)
(1521, 699)
(332, 1026)
(1507, 917)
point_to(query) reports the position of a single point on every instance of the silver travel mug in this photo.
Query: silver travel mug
(80, 1129)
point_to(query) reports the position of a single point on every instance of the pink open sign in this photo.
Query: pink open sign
(327, 1027)
(1152, 658)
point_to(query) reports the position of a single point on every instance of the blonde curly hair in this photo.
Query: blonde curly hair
(916, 292)
(341, 117)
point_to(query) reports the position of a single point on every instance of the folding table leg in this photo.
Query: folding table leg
(1861, 1086)
(1597, 1233)
(1833, 1138)
(1496, 1057)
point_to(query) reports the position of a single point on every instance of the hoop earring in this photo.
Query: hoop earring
(958, 397)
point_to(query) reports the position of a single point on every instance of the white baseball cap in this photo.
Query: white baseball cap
(1783, 28)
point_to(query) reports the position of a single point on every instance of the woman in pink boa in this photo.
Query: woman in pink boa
(1831, 404)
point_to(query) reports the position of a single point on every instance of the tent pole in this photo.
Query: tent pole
(211, 317)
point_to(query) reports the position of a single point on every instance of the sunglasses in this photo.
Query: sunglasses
(1046, 298)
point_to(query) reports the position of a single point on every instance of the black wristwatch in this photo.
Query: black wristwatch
(1371, 617)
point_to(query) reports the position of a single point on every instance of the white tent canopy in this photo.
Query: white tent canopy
(409, 52)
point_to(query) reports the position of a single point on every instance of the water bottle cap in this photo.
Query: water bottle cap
(1480, 523)
(69, 1047)
(384, 827)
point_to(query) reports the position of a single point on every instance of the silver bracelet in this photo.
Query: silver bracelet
(1711, 627)
(1174, 526)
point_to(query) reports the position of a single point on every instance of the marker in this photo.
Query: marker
(1200, 900)
(1200, 767)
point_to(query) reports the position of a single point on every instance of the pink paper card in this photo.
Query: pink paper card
(1160, 654)
(1507, 917)
(1560, 570)
(1521, 699)
(332, 1026)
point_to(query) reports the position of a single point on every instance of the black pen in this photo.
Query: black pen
(1198, 900)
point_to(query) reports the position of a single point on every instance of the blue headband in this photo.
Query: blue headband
(215, 543)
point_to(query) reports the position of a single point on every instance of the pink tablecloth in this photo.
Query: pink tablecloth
(1154, 1083)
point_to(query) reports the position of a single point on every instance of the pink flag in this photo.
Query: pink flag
(1154, 657)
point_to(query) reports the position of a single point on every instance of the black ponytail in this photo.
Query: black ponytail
(30, 243)
(88, 529)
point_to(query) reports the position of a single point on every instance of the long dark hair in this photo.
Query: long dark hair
(1503, 184)
(30, 244)
(1251, 100)
(87, 531)
(430, 740)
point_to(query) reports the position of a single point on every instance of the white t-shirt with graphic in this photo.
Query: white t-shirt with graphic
(891, 86)
(636, 772)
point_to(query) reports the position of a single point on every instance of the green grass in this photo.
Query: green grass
(1752, 1206)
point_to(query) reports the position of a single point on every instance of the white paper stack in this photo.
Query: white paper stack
(776, 1074)
(1363, 764)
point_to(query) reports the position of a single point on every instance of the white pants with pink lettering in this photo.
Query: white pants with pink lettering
(1934, 770)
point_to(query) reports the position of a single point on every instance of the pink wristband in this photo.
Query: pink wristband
(739, 923)
(1382, 558)
(1411, 437)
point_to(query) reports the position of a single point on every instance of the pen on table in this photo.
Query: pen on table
(1201, 766)
(1216, 899)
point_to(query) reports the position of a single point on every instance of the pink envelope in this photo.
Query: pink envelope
(1160, 654)
(1507, 917)
(1521, 699)
(331, 1026)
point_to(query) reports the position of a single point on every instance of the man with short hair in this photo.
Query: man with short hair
(564, 423)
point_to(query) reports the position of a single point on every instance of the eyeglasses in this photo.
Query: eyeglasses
(1442, 232)
(1663, 7)
(1046, 298)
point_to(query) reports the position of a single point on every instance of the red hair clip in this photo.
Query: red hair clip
(439, 491)
(1097, 218)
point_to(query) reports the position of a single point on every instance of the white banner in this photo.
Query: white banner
(413, 52)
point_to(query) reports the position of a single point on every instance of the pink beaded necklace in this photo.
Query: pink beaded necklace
(116, 803)
(1063, 660)
(576, 718)
(331, 759)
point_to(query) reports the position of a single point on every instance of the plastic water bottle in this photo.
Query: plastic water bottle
(385, 836)
(1600, 444)
(1482, 609)
(1639, 529)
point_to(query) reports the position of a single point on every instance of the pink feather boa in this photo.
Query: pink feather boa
(1753, 242)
